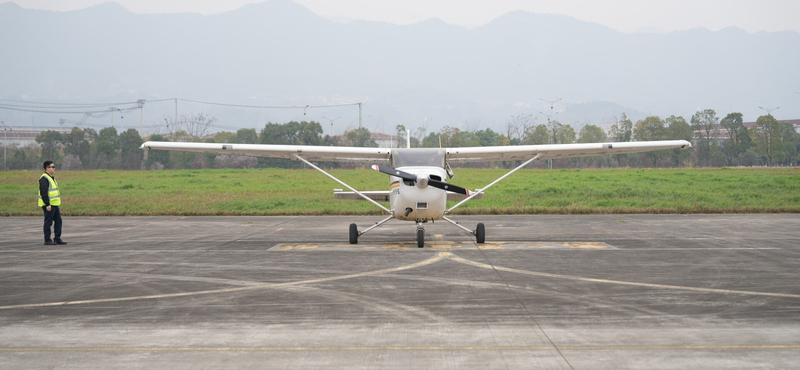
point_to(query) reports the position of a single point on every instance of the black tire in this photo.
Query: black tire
(353, 234)
(480, 233)
(420, 238)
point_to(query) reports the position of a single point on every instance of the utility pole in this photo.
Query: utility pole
(5, 144)
(769, 111)
(176, 113)
(769, 132)
(331, 133)
(141, 113)
(550, 140)
(359, 115)
(551, 103)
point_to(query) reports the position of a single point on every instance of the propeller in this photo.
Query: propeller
(421, 180)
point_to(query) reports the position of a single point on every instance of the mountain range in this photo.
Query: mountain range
(278, 53)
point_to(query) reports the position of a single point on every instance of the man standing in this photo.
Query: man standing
(50, 200)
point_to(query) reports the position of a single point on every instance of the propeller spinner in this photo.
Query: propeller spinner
(424, 181)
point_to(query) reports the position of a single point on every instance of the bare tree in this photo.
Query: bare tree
(472, 126)
(196, 125)
(71, 163)
(235, 161)
(517, 125)
(421, 131)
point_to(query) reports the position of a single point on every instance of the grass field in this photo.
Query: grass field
(308, 192)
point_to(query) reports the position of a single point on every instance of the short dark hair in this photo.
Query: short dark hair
(46, 164)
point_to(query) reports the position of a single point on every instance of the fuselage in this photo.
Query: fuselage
(417, 201)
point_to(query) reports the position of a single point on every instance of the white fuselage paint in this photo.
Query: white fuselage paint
(403, 196)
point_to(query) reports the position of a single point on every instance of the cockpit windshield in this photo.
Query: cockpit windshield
(402, 157)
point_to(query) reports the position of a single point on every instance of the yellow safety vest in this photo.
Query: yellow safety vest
(53, 193)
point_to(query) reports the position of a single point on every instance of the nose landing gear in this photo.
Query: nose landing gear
(420, 235)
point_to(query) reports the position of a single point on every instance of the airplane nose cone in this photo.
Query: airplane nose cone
(422, 182)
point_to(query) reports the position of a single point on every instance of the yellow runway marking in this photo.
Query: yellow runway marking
(360, 247)
(439, 243)
(401, 348)
(618, 282)
(438, 257)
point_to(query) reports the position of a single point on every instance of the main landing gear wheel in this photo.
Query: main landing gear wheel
(353, 234)
(420, 238)
(480, 233)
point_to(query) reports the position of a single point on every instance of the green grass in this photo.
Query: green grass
(308, 192)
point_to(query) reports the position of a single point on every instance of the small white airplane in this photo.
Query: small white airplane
(418, 189)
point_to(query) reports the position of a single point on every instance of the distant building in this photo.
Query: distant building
(606, 126)
(720, 133)
(384, 140)
(794, 122)
(26, 136)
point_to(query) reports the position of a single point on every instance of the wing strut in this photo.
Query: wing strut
(480, 191)
(341, 182)
(456, 224)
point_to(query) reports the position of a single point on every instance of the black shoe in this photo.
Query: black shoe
(61, 242)
(49, 243)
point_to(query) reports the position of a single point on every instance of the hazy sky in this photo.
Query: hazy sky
(622, 15)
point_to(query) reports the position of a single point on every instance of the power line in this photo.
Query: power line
(45, 107)
(266, 106)
(63, 112)
(59, 107)
(64, 108)
(68, 104)
(89, 109)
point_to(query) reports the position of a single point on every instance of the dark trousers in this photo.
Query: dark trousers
(49, 217)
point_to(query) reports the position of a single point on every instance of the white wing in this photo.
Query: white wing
(308, 152)
(474, 154)
(522, 152)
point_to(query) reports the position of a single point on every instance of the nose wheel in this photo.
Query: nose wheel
(420, 236)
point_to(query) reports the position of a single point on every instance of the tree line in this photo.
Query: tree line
(88, 149)
(80, 149)
(716, 142)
